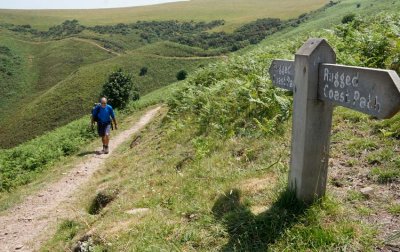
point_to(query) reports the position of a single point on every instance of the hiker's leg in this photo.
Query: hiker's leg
(107, 138)
(107, 134)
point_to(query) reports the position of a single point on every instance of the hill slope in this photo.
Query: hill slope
(59, 80)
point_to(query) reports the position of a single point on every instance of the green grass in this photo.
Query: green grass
(235, 12)
(395, 209)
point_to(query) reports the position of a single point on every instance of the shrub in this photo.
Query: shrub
(143, 71)
(118, 88)
(135, 93)
(181, 75)
(348, 18)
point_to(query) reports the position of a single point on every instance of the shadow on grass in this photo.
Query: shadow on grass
(249, 232)
(87, 153)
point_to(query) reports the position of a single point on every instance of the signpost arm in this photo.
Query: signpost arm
(312, 121)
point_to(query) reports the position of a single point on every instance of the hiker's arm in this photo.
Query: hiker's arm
(113, 118)
(115, 123)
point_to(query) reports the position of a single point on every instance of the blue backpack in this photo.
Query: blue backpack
(96, 111)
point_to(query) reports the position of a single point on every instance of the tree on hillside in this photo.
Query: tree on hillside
(118, 88)
(181, 75)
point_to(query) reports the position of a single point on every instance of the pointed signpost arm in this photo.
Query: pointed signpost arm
(375, 92)
(312, 121)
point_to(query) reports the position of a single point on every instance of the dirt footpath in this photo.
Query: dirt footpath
(23, 227)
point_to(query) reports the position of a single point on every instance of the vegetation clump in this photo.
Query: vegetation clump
(9, 63)
(19, 165)
(118, 89)
(232, 98)
(372, 42)
(348, 18)
(181, 75)
(67, 28)
(143, 71)
(102, 199)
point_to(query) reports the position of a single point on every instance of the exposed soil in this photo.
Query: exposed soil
(25, 227)
(373, 205)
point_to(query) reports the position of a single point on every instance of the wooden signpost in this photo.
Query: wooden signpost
(318, 84)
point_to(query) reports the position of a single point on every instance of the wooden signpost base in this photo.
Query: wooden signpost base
(312, 120)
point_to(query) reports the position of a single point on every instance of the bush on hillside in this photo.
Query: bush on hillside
(67, 28)
(135, 93)
(348, 18)
(118, 89)
(143, 71)
(181, 75)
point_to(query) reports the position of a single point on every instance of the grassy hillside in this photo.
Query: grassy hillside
(235, 12)
(47, 84)
(212, 174)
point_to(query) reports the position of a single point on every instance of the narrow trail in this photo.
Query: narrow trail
(95, 44)
(23, 227)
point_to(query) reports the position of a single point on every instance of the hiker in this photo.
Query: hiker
(102, 114)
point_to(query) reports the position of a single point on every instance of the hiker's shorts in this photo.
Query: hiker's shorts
(104, 129)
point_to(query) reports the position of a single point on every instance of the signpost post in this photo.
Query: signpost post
(318, 84)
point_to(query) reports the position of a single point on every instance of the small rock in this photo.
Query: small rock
(367, 192)
(137, 211)
(5, 233)
(19, 247)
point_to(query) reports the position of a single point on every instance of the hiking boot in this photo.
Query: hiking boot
(103, 151)
(106, 150)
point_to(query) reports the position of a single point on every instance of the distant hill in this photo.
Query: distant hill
(235, 12)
